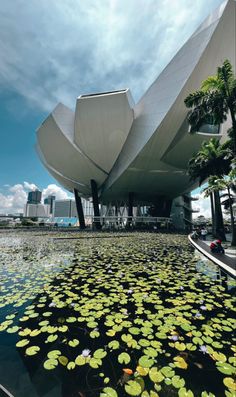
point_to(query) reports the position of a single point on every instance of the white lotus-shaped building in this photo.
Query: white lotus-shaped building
(139, 150)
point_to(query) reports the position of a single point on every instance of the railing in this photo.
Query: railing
(186, 207)
(209, 129)
(125, 220)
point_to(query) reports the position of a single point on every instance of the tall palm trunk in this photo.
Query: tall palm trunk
(213, 214)
(233, 226)
(219, 225)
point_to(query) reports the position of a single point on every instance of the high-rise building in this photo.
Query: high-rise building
(36, 210)
(65, 208)
(34, 197)
(49, 201)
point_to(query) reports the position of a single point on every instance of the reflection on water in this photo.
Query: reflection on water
(147, 296)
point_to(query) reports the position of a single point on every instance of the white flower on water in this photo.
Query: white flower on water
(86, 353)
(52, 304)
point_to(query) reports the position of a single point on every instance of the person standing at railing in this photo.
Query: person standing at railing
(203, 233)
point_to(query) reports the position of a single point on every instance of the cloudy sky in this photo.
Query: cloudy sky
(55, 50)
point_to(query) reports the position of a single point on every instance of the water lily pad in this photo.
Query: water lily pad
(225, 368)
(108, 392)
(95, 362)
(177, 382)
(80, 360)
(124, 358)
(146, 362)
(51, 338)
(155, 375)
(50, 364)
(180, 362)
(183, 392)
(12, 330)
(151, 352)
(54, 354)
(31, 351)
(100, 353)
(133, 388)
(142, 371)
(63, 360)
(94, 334)
(71, 365)
(114, 344)
(167, 371)
(230, 383)
(22, 343)
(73, 342)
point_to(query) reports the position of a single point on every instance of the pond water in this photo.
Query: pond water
(136, 314)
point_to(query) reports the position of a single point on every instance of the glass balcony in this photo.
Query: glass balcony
(209, 129)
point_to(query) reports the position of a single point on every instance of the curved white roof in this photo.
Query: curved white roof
(143, 148)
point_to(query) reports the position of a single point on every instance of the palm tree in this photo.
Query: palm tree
(214, 101)
(228, 183)
(212, 159)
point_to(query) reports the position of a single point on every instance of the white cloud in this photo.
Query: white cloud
(204, 206)
(55, 50)
(15, 198)
(13, 201)
(30, 186)
(56, 191)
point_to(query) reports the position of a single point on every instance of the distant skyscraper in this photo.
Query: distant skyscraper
(65, 208)
(34, 197)
(49, 201)
(36, 210)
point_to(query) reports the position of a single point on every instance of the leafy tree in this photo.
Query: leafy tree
(215, 100)
(212, 159)
(218, 184)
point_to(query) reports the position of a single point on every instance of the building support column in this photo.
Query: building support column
(79, 208)
(95, 203)
(130, 208)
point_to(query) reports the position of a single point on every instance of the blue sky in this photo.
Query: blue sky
(56, 50)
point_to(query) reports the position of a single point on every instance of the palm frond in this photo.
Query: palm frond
(212, 83)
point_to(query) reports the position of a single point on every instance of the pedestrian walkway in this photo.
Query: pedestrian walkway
(226, 262)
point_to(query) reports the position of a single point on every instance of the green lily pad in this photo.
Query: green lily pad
(177, 382)
(54, 354)
(114, 344)
(95, 362)
(99, 353)
(73, 342)
(50, 364)
(31, 351)
(230, 383)
(167, 371)
(124, 358)
(183, 392)
(94, 334)
(108, 392)
(225, 368)
(133, 388)
(151, 352)
(51, 338)
(22, 343)
(63, 360)
(155, 375)
(12, 330)
(71, 365)
(80, 360)
(146, 362)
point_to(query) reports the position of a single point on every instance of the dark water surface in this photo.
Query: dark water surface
(139, 314)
